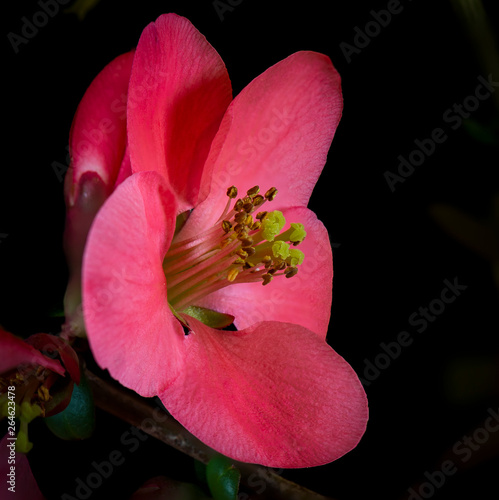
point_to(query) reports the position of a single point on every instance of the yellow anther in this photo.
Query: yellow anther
(246, 242)
(43, 393)
(261, 215)
(248, 207)
(232, 192)
(226, 226)
(250, 251)
(290, 272)
(238, 206)
(249, 220)
(232, 274)
(254, 190)
(267, 278)
(242, 234)
(271, 194)
(240, 217)
(258, 200)
(242, 253)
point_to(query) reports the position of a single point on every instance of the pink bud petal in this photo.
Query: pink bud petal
(16, 351)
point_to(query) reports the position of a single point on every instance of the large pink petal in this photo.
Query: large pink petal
(276, 133)
(98, 133)
(24, 483)
(16, 352)
(273, 394)
(131, 329)
(304, 299)
(179, 91)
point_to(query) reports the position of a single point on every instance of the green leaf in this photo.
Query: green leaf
(223, 478)
(77, 420)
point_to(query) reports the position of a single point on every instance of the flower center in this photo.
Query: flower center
(245, 245)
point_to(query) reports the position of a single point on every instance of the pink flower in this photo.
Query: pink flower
(173, 249)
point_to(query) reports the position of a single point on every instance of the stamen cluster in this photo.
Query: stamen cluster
(244, 246)
(252, 233)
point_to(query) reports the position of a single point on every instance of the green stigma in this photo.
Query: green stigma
(280, 250)
(272, 225)
(298, 233)
(295, 257)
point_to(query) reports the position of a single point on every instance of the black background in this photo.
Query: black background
(390, 256)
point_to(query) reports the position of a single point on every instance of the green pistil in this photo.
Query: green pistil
(295, 257)
(295, 234)
(272, 225)
(280, 250)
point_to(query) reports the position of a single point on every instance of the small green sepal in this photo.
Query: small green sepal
(77, 420)
(209, 317)
(223, 478)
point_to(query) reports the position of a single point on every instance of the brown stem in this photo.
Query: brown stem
(263, 482)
